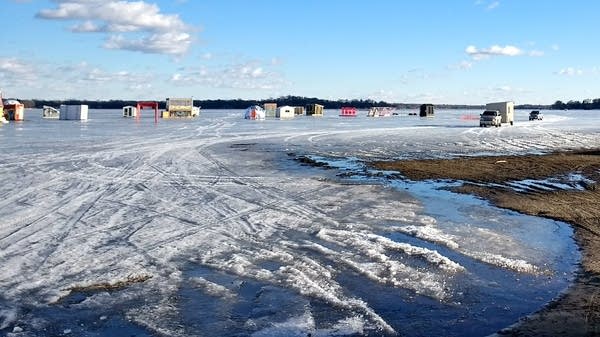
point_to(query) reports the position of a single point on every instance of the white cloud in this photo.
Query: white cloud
(414, 74)
(570, 71)
(84, 80)
(555, 47)
(536, 53)
(115, 14)
(462, 65)
(176, 77)
(164, 34)
(478, 54)
(166, 43)
(245, 75)
(16, 72)
(383, 95)
(83, 72)
(257, 72)
(493, 5)
(465, 65)
(489, 5)
(573, 71)
(424, 97)
(275, 61)
(495, 50)
(13, 66)
(498, 92)
(85, 27)
(37, 79)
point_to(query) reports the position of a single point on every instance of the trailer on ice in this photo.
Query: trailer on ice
(506, 109)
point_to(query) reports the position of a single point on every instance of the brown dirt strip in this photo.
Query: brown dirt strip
(577, 311)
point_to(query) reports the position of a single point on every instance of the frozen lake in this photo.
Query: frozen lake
(210, 227)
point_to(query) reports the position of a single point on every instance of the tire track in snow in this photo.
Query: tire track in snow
(290, 201)
(235, 216)
(51, 246)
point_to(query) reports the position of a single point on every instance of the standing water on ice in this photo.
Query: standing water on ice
(210, 227)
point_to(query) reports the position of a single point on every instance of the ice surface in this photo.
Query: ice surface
(230, 235)
(7, 318)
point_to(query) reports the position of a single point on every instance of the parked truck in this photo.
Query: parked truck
(506, 110)
(490, 118)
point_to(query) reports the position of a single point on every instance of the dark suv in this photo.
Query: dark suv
(535, 115)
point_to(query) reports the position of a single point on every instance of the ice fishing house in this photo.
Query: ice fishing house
(314, 110)
(426, 110)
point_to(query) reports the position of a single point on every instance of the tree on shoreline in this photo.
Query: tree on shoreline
(586, 104)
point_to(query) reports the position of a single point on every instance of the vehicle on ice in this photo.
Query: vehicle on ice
(490, 118)
(535, 115)
(506, 110)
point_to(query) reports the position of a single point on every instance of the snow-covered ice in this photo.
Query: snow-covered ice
(210, 227)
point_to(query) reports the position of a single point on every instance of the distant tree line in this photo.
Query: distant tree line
(587, 104)
(244, 103)
(532, 107)
(303, 101)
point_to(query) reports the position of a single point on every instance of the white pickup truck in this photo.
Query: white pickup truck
(490, 118)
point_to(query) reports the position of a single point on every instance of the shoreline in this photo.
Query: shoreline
(576, 311)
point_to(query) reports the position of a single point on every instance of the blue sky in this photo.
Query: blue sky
(457, 52)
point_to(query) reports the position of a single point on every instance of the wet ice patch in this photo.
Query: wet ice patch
(482, 244)
(314, 280)
(518, 265)
(304, 325)
(211, 288)
(7, 317)
(348, 326)
(240, 239)
(296, 326)
(374, 245)
(371, 255)
(428, 233)
(569, 182)
(437, 236)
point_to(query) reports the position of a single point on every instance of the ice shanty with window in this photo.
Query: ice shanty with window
(314, 110)
(130, 111)
(426, 110)
(285, 112)
(73, 112)
(180, 108)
